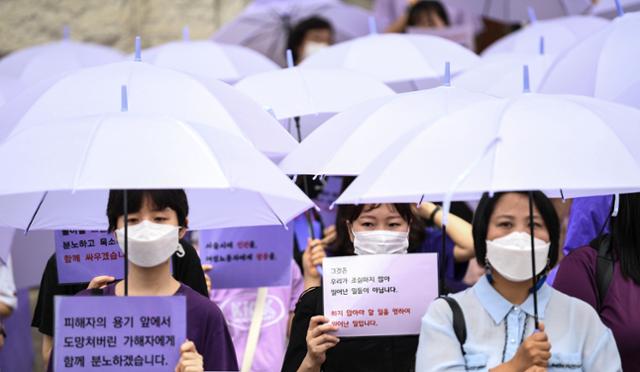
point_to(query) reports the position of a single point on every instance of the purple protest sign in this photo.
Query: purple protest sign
(248, 257)
(379, 295)
(82, 255)
(109, 333)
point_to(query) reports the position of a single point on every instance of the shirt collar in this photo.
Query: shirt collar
(498, 307)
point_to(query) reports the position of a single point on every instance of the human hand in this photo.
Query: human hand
(319, 340)
(100, 281)
(535, 351)
(190, 359)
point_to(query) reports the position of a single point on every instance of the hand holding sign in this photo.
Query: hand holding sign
(319, 341)
(311, 259)
(100, 281)
(190, 359)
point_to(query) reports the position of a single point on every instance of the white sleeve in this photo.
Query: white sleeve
(7, 285)
(600, 353)
(438, 347)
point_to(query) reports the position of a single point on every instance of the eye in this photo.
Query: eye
(160, 219)
(394, 224)
(367, 224)
(505, 224)
(132, 220)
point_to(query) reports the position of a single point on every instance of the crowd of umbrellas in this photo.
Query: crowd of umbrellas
(552, 107)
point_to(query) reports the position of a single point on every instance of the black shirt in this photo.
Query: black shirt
(187, 270)
(352, 354)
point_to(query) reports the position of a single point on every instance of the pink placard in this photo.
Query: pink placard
(379, 295)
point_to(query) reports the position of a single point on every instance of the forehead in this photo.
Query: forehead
(148, 205)
(379, 211)
(513, 204)
(318, 34)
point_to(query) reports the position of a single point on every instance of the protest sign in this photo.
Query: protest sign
(109, 333)
(82, 255)
(376, 295)
(248, 257)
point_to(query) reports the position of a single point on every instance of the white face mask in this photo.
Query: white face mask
(380, 242)
(150, 244)
(510, 255)
(312, 47)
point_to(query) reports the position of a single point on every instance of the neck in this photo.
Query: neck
(149, 281)
(514, 292)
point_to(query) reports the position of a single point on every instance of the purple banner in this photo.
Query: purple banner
(82, 255)
(248, 257)
(109, 333)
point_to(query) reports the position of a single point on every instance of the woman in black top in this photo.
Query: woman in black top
(370, 229)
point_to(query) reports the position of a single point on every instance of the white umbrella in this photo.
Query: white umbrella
(396, 58)
(44, 61)
(350, 141)
(209, 59)
(9, 88)
(265, 27)
(154, 90)
(501, 74)
(559, 34)
(563, 145)
(61, 171)
(608, 8)
(301, 91)
(517, 11)
(602, 66)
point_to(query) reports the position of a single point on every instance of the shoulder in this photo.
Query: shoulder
(584, 255)
(441, 310)
(310, 301)
(573, 308)
(198, 303)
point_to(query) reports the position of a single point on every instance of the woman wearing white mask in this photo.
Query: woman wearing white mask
(309, 36)
(373, 229)
(498, 311)
(157, 219)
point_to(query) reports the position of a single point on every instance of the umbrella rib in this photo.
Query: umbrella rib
(272, 211)
(495, 152)
(86, 150)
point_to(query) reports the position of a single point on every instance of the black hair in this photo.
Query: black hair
(175, 199)
(485, 209)
(625, 236)
(299, 31)
(350, 212)
(425, 6)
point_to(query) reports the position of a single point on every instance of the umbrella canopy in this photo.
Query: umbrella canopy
(44, 61)
(9, 88)
(300, 91)
(209, 59)
(153, 90)
(559, 34)
(350, 141)
(517, 11)
(62, 171)
(500, 74)
(608, 8)
(396, 58)
(563, 145)
(264, 27)
(600, 65)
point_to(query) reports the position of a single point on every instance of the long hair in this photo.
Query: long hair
(625, 236)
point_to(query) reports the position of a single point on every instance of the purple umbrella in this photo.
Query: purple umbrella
(265, 26)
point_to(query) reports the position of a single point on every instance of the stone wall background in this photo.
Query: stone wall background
(114, 23)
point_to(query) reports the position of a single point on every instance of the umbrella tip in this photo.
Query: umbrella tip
(373, 27)
(185, 33)
(66, 32)
(290, 58)
(525, 79)
(619, 8)
(532, 14)
(124, 100)
(137, 57)
(541, 46)
(447, 74)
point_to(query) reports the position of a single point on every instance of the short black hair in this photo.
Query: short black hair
(425, 6)
(299, 31)
(485, 209)
(625, 232)
(176, 199)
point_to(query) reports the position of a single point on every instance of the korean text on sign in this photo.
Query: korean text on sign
(378, 295)
(96, 333)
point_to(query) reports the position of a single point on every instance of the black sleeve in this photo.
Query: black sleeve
(188, 269)
(308, 306)
(43, 316)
